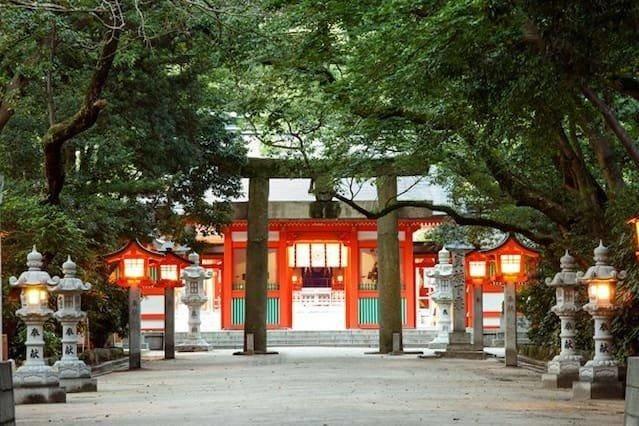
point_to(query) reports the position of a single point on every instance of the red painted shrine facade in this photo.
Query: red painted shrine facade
(322, 276)
(318, 268)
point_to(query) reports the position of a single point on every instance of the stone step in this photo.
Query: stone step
(364, 338)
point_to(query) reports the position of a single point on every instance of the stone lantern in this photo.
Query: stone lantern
(599, 378)
(443, 296)
(563, 370)
(35, 381)
(194, 297)
(74, 374)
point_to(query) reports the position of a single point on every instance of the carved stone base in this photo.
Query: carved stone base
(598, 381)
(72, 369)
(83, 384)
(562, 372)
(35, 375)
(459, 338)
(439, 342)
(193, 346)
(470, 353)
(39, 395)
(555, 381)
(597, 390)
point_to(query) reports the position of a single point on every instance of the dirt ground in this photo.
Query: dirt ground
(322, 386)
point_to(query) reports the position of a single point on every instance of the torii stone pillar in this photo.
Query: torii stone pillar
(390, 299)
(256, 267)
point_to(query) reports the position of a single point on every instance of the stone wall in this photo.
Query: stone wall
(632, 392)
(7, 406)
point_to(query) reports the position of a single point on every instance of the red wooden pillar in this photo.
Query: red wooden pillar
(352, 283)
(227, 279)
(409, 277)
(286, 319)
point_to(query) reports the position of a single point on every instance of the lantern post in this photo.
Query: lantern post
(563, 369)
(74, 374)
(476, 273)
(35, 381)
(511, 258)
(194, 297)
(133, 262)
(600, 378)
(170, 269)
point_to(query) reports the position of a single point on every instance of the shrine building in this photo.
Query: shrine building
(322, 265)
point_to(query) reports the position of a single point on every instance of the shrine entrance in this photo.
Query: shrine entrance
(318, 271)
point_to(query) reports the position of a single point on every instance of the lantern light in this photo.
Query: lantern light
(477, 269)
(33, 296)
(169, 272)
(34, 373)
(510, 264)
(133, 268)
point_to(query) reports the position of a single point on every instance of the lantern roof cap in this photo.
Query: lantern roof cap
(164, 245)
(511, 243)
(567, 276)
(69, 282)
(567, 262)
(195, 271)
(601, 270)
(34, 276)
(132, 246)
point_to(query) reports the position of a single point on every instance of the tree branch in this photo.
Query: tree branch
(457, 217)
(613, 123)
(83, 119)
(12, 91)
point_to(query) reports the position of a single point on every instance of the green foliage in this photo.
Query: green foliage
(158, 158)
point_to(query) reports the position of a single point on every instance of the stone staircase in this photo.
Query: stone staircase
(354, 338)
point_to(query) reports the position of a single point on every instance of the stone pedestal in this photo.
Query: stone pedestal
(563, 370)
(459, 342)
(443, 297)
(443, 324)
(598, 382)
(35, 382)
(600, 377)
(194, 297)
(73, 373)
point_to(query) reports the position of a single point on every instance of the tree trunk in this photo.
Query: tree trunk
(54, 171)
(613, 123)
(256, 265)
(389, 285)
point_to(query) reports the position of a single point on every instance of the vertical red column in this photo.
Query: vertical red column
(227, 279)
(352, 284)
(286, 320)
(409, 277)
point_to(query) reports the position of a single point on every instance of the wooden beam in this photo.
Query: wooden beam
(286, 168)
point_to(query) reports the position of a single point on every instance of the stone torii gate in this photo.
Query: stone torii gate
(259, 171)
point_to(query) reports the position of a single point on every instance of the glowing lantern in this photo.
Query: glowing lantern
(511, 258)
(510, 264)
(133, 263)
(602, 370)
(35, 311)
